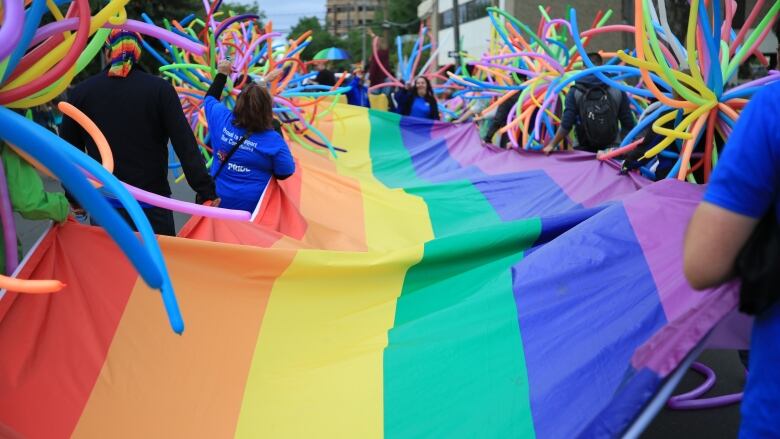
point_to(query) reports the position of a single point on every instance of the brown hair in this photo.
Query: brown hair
(254, 109)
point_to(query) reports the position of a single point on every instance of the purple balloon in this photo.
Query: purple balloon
(224, 25)
(185, 207)
(13, 25)
(690, 401)
(130, 25)
(9, 225)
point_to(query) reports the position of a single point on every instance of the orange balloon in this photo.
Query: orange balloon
(30, 286)
(106, 157)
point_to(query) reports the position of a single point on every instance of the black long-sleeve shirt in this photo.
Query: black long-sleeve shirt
(326, 77)
(217, 86)
(138, 115)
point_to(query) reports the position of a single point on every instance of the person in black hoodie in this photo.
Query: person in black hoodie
(138, 113)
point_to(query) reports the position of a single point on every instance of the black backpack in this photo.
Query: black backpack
(598, 111)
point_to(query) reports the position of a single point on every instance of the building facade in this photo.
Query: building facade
(475, 26)
(344, 15)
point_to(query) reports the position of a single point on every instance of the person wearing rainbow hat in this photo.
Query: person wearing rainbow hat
(138, 113)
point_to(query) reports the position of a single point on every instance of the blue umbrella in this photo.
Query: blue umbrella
(332, 53)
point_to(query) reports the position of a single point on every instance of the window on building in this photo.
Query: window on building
(469, 11)
(446, 19)
(476, 9)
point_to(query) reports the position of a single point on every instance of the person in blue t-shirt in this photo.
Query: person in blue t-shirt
(418, 100)
(247, 150)
(358, 93)
(744, 187)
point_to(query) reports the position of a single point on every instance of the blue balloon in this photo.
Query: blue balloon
(59, 157)
(598, 71)
(745, 92)
(715, 77)
(501, 34)
(31, 22)
(299, 48)
(49, 149)
(187, 20)
(173, 53)
(563, 48)
(649, 119)
(117, 189)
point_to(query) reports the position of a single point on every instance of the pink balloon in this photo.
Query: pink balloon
(250, 50)
(185, 207)
(619, 151)
(130, 25)
(385, 84)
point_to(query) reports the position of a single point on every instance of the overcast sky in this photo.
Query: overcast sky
(285, 13)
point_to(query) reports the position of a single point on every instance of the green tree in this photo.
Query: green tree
(321, 38)
(241, 8)
(395, 18)
(402, 15)
(353, 43)
(159, 11)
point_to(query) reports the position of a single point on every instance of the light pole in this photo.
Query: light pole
(363, 57)
(456, 30)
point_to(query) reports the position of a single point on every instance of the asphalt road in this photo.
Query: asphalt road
(706, 424)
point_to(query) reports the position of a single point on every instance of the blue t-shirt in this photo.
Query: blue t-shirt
(746, 182)
(245, 176)
(420, 108)
(358, 94)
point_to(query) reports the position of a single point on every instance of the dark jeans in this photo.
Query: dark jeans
(160, 219)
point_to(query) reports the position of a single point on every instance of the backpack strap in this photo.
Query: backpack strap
(230, 154)
(579, 92)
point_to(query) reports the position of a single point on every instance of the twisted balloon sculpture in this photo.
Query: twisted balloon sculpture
(254, 53)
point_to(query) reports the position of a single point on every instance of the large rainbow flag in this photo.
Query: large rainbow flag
(421, 285)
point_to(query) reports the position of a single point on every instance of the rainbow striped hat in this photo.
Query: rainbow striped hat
(125, 52)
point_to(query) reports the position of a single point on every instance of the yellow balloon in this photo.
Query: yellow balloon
(120, 18)
(690, 42)
(658, 127)
(52, 58)
(48, 93)
(681, 128)
(55, 11)
(688, 80)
